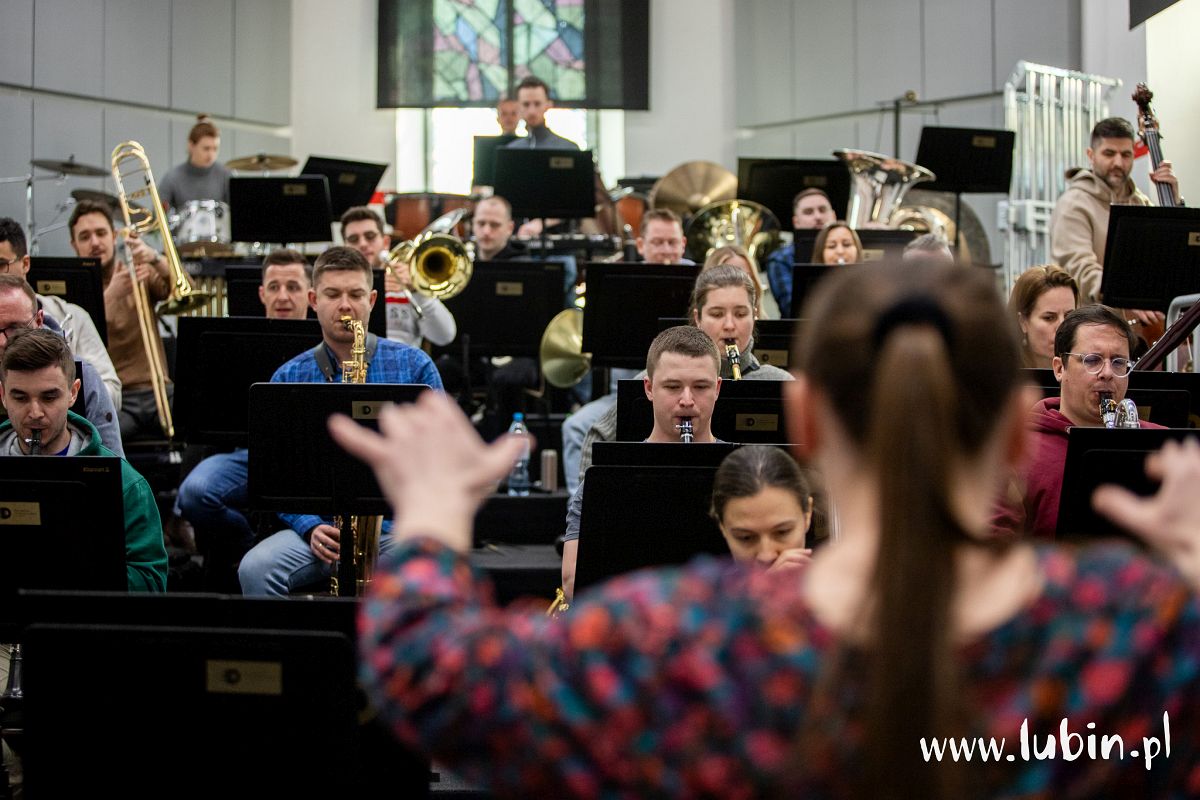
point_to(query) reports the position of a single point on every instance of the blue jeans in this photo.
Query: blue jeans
(283, 562)
(213, 499)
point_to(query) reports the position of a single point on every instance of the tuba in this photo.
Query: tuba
(744, 223)
(878, 186)
(355, 568)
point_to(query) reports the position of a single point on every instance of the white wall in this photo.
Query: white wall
(692, 80)
(333, 85)
(1172, 67)
(1109, 48)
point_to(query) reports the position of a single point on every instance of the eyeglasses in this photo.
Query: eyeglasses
(16, 327)
(1094, 363)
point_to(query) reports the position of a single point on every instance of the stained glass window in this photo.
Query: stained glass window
(469, 53)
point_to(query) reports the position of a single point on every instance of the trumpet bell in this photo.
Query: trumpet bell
(561, 353)
(732, 222)
(441, 265)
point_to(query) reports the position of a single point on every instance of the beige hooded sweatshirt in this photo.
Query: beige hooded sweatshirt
(1079, 227)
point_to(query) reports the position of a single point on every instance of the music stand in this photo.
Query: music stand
(547, 183)
(483, 171)
(505, 308)
(746, 412)
(76, 280)
(1096, 456)
(1152, 256)
(966, 161)
(624, 302)
(639, 516)
(218, 360)
(295, 466)
(775, 182)
(351, 183)
(805, 277)
(280, 209)
(63, 523)
(772, 338)
(276, 634)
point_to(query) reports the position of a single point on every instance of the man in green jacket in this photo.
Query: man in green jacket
(38, 386)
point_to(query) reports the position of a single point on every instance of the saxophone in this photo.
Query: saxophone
(1118, 415)
(734, 357)
(356, 566)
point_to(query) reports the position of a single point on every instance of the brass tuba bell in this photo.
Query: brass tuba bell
(732, 222)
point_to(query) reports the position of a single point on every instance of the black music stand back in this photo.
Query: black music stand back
(772, 338)
(746, 412)
(219, 359)
(280, 209)
(483, 172)
(177, 640)
(775, 182)
(295, 466)
(1096, 456)
(506, 307)
(624, 302)
(76, 280)
(967, 160)
(64, 528)
(351, 183)
(878, 243)
(805, 277)
(1152, 256)
(547, 183)
(636, 517)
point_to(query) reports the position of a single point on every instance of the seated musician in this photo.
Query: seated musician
(1041, 298)
(93, 236)
(1091, 361)
(811, 210)
(683, 379)
(76, 323)
(661, 241)
(763, 505)
(341, 285)
(213, 498)
(492, 226)
(18, 312)
(201, 177)
(837, 243)
(723, 301)
(508, 114)
(38, 385)
(362, 229)
(926, 247)
(737, 256)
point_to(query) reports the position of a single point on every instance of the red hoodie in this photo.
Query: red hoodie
(1042, 477)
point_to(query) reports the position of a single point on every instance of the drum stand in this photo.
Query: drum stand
(10, 707)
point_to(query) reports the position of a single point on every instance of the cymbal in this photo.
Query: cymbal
(69, 167)
(91, 195)
(261, 162)
(563, 361)
(691, 186)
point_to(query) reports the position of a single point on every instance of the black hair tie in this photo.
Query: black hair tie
(913, 310)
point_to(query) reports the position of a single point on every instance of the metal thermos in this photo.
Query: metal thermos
(549, 470)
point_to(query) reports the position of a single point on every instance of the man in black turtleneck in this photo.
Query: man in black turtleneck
(533, 96)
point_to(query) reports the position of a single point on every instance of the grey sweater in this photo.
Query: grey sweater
(186, 182)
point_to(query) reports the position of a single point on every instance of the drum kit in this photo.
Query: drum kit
(200, 228)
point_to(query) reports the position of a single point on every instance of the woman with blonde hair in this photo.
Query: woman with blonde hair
(738, 256)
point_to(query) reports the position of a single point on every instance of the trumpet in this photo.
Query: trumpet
(735, 358)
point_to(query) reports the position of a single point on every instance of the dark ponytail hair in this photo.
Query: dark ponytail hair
(917, 362)
(748, 470)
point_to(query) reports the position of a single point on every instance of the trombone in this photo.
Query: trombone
(142, 218)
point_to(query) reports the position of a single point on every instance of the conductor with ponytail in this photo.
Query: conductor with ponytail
(911, 628)
(201, 177)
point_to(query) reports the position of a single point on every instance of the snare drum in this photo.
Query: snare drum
(202, 230)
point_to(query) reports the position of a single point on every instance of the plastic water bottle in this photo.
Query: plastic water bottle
(518, 477)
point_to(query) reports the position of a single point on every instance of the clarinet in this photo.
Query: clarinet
(685, 431)
(34, 443)
(734, 357)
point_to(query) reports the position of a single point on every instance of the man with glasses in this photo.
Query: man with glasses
(411, 317)
(19, 312)
(74, 322)
(1092, 361)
